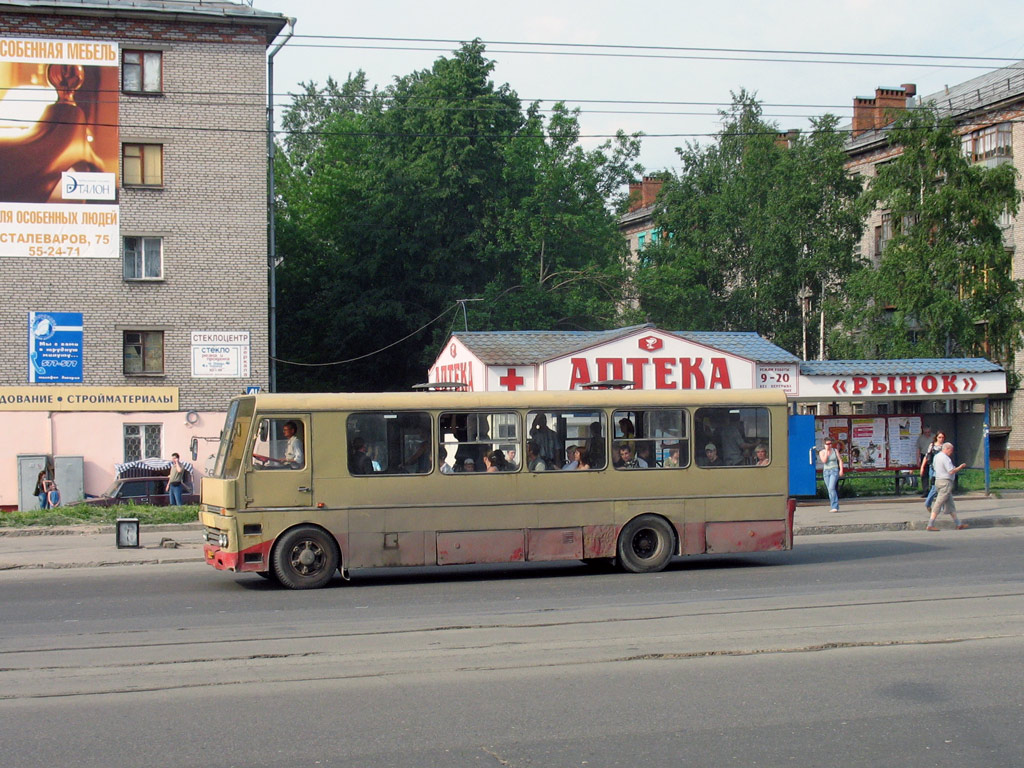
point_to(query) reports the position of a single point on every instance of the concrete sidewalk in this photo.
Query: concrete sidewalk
(94, 546)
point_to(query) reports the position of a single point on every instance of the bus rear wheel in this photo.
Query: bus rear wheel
(305, 558)
(646, 544)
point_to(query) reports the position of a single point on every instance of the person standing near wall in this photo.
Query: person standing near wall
(175, 480)
(832, 470)
(944, 473)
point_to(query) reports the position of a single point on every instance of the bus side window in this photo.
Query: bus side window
(388, 443)
(480, 441)
(651, 439)
(733, 434)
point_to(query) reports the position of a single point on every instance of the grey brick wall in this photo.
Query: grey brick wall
(211, 213)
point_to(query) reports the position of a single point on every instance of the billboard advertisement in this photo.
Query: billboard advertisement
(58, 148)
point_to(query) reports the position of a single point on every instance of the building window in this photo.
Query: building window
(141, 71)
(986, 143)
(884, 234)
(143, 165)
(143, 352)
(640, 240)
(142, 441)
(143, 258)
(1000, 413)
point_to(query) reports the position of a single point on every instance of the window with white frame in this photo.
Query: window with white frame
(142, 441)
(142, 71)
(143, 258)
(989, 142)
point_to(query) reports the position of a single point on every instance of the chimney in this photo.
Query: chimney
(785, 140)
(870, 114)
(643, 193)
(649, 190)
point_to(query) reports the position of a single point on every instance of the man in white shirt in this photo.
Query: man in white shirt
(944, 472)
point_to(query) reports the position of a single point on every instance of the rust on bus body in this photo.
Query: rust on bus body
(464, 547)
(692, 536)
(554, 544)
(599, 541)
(747, 536)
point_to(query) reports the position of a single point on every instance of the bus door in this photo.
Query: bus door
(278, 473)
(802, 480)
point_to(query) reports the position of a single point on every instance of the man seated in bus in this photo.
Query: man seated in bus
(359, 462)
(294, 457)
(534, 461)
(710, 457)
(628, 460)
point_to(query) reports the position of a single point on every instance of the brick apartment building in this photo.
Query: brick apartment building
(133, 230)
(987, 110)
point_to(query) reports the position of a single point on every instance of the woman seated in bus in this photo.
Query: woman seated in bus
(582, 458)
(761, 455)
(494, 461)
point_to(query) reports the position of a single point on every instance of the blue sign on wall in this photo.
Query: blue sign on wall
(54, 347)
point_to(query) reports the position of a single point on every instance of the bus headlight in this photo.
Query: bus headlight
(222, 540)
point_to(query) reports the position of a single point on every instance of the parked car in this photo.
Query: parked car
(138, 490)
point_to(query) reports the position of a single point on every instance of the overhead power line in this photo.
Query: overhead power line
(612, 46)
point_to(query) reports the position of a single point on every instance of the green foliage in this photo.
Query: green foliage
(86, 514)
(751, 221)
(439, 187)
(943, 286)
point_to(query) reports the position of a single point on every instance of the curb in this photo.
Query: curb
(88, 530)
(908, 525)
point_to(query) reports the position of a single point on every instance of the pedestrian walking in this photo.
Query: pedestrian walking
(927, 469)
(944, 473)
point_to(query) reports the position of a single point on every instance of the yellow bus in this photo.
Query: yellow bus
(307, 485)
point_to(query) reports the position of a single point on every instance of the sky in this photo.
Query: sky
(920, 32)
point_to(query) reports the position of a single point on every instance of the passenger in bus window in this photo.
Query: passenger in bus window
(359, 462)
(734, 443)
(495, 461)
(596, 446)
(643, 454)
(626, 429)
(468, 465)
(627, 459)
(671, 455)
(583, 459)
(572, 455)
(546, 440)
(761, 455)
(711, 457)
(442, 454)
(419, 460)
(534, 461)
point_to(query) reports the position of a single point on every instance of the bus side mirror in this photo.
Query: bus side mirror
(264, 428)
(193, 446)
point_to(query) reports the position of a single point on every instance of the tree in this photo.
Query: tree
(943, 286)
(437, 188)
(753, 219)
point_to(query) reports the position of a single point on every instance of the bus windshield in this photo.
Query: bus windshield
(232, 439)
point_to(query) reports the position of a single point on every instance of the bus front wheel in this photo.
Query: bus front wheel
(646, 544)
(305, 558)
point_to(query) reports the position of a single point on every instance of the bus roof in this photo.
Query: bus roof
(549, 400)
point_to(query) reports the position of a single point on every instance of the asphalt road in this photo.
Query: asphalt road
(863, 649)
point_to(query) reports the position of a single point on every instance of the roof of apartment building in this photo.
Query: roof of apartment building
(209, 10)
(984, 92)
